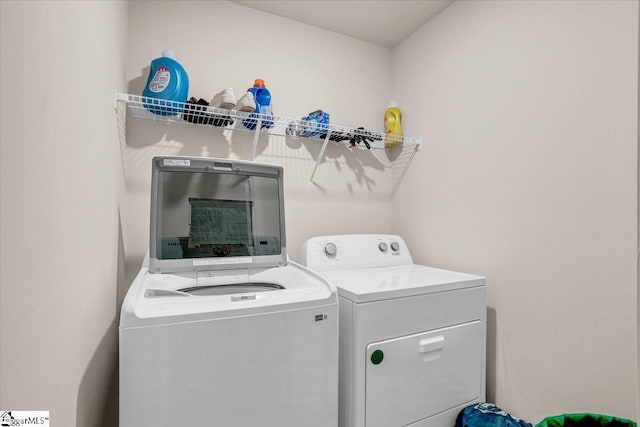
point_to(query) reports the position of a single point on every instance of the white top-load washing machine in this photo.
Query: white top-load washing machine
(219, 328)
(412, 338)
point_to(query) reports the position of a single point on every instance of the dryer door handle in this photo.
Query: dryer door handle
(428, 345)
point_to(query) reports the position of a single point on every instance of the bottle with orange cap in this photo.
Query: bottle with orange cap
(262, 98)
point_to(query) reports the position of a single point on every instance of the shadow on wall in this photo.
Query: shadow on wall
(176, 139)
(491, 354)
(97, 403)
(136, 85)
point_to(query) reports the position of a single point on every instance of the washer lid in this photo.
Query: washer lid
(382, 283)
(215, 214)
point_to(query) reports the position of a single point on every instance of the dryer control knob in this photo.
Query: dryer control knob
(395, 246)
(382, 246)
(330, 249)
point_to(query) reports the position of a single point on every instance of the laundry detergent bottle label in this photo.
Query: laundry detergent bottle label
(160, 80)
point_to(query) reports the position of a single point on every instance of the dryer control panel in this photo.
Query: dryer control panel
(353, 251)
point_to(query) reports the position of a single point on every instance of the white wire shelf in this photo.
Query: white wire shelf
(202, 115)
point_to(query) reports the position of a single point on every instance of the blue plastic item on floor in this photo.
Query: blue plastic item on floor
(487, 415)
(167, 84)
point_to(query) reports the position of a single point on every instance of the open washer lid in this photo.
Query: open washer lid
(215, 214)
(383, 283)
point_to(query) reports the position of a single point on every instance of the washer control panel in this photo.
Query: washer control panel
(350, 251)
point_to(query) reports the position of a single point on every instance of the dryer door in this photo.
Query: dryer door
(413, 377)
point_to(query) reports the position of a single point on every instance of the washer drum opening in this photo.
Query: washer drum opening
(237, 288)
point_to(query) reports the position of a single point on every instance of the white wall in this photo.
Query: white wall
(222, 44)
(529, 115)
(60, 64)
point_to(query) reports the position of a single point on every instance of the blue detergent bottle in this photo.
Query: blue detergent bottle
(168, 85)
(262, 97)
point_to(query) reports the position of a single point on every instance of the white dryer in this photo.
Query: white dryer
(412, 338)
(219, 328)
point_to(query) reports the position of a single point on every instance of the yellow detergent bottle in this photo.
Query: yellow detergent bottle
(392, 127)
